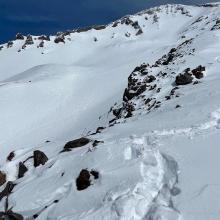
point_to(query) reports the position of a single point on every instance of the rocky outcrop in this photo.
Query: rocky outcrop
(19, 36)
(175, 53)
(139, 82)
(59, 39)
(85, 29)
(44, 37)
(29, 40)
(216, 26)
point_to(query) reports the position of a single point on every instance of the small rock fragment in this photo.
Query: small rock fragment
(96, 143)
(95, 174)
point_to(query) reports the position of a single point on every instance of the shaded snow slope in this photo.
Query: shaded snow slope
(158, 154)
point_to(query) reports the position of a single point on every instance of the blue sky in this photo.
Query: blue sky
(50, 16)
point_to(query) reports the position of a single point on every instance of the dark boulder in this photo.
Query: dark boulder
(7, 190)
(11, 156)
(198, 72)
(95, 174)
(184, 79)
(77, 143)
(10, 215)
(140, 31)
(10, 44)
(29, 40)
(83, 180)
(115, 24)
(135, 25)
(99, 129)
(19, 36)
(2, 178)
(117, 112)
(39, 158)
(22, 170)
(41, 44)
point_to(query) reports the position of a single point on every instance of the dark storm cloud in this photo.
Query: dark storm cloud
(50, 16)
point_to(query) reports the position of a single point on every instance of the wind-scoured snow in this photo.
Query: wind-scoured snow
(159, 162)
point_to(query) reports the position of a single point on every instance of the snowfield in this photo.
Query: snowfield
(153, 140)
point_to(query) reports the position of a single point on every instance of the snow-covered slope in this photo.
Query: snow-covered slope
(153, 134)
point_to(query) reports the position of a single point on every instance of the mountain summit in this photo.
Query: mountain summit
(117, 121)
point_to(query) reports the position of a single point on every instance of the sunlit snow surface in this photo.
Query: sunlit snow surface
(161, 165)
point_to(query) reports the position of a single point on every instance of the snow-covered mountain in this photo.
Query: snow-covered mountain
(114, 122)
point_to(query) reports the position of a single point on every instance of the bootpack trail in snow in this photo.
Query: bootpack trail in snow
(117, 121)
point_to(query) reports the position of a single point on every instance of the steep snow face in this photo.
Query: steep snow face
(144, 122)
